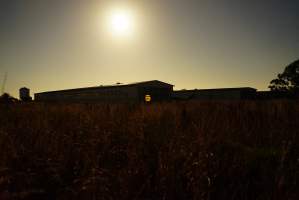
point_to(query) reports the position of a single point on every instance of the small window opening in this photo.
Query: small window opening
(147, 98)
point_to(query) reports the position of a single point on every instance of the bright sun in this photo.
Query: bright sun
(121, 22)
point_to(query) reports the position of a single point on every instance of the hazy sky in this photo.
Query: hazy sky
(58, 44)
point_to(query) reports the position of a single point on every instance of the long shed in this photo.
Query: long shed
(216, 94)
(120, 93)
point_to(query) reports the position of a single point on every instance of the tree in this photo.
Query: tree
(6, 98)
(288, 80)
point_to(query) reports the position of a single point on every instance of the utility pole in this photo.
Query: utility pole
(4, 82)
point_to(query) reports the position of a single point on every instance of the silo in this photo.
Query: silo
(25, 94)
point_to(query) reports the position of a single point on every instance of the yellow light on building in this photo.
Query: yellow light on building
(148, 98)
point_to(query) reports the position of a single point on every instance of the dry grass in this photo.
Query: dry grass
(194, 150)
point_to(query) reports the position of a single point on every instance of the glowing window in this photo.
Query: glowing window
(147, 98)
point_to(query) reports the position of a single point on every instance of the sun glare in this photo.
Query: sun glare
(121, 22)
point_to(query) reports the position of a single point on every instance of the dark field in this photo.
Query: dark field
(207, 150)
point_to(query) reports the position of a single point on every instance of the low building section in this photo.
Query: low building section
(266, 95)
(135, 92)
(216, 94)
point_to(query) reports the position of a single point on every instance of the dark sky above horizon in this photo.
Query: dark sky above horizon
(59, 44)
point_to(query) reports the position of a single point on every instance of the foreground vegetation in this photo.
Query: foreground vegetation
(194, 150)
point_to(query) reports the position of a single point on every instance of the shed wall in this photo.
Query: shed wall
(111, 94)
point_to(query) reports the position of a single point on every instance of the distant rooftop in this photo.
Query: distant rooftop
(222, 89)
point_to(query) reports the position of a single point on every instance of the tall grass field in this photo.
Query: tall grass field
(170, 151)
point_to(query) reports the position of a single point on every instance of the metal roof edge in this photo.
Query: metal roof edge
(103, 86)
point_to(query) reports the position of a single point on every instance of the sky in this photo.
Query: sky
(50, 45)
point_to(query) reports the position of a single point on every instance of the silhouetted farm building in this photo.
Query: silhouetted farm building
(154, 91)
(135, 92)
(215, 94)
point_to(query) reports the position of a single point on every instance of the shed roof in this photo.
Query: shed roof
(108, 86)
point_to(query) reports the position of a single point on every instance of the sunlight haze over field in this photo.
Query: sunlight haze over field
(53, 44)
